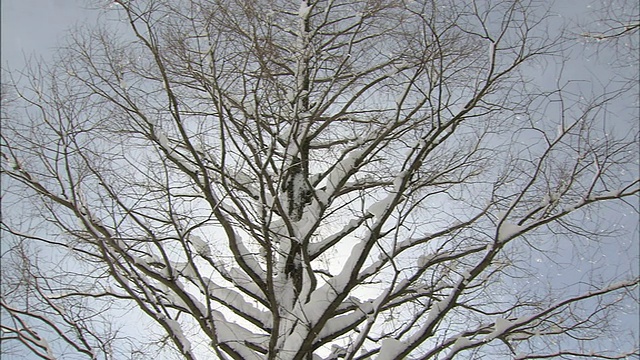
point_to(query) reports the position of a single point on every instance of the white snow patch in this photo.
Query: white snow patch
(437, 308)
(319, 301)
(378, 208)
(176, 331)
(508, 231)
(397, 182)
(423, 260)
(492, 51)
(466, 275)
(560, 132)
(341, 170)
(236, 336)
(500, 327)
(461, 342)
(163, 140)
(200, 246)
(41, 342)
(338, 282)
(304, 10)
(249, 257)
(390, 349)
(293, 342)
(315, 247)
(502, 324)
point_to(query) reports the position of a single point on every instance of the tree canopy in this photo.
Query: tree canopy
(321, 179)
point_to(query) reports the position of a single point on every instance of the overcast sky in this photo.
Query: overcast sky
(36, 27)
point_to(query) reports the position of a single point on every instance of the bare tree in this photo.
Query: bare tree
(330, 179)
(612, 33)
(617, 20)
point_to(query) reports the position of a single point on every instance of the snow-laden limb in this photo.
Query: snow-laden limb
(508, 231)
(317, 248)
(461, 343)
(229, 298)
(500, 327)
(380, 208)
(238, 279)
(239, 340)
(340, 282)
(28, 336)
(340, 172)
(248, 258)
(322, 300)
(175, 329)
(200, 246)
(390, 349)
(237, 303)
(339, 324)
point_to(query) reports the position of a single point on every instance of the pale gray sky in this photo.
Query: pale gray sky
(36, 27)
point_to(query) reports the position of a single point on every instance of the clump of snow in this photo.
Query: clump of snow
(466, 275)
(390, 349)
(319, 301)
(461, 342)
(378, 208)
(294, 341)
(163, 140)
(200, 246)
(508, 231)
(500, 327)
(492, 51)
(397, 182)
(235, 336)
(304, 10)
(42, 343)
(248, 257)
(341, 169)
(176, 331)
(502, 324)
(423, 260)
(560, 132)
(437, 309)
(340, 281)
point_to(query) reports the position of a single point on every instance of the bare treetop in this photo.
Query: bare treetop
(316, 180)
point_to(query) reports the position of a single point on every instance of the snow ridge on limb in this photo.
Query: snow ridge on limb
(317, 248)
